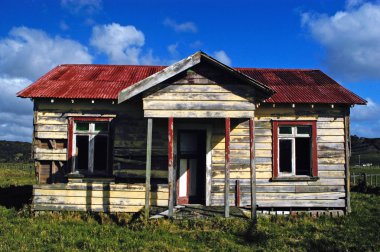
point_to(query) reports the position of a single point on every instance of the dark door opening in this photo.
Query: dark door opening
(191, 176)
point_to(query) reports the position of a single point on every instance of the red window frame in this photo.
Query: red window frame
(71, 133)
(314, 147)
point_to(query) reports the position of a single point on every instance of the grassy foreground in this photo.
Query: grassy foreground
(21, 231)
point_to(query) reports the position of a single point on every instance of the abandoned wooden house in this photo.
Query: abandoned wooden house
(118, 138)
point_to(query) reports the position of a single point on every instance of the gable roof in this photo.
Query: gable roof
(106, 81)
(184, 65)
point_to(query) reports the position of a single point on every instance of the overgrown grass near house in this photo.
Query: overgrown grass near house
(21, 231)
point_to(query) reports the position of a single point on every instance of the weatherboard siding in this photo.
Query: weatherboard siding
(96, 197)
(129, 150)
(329, 190)
(197, 96)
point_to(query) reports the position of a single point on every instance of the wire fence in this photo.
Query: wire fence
(365, 179)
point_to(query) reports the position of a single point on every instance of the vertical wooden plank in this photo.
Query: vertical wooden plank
(253, 168)
(314, 148)
(347, 154)
(237, 193)
(70, 145)
(227, 168)
(148, 166)
(275, 148)
(170, 166)
(91, 151)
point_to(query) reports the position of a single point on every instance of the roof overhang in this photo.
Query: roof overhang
(181, 66)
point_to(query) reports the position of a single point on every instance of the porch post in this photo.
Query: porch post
(148, 165)
(170, 166)
(253, 168)
(227, 169)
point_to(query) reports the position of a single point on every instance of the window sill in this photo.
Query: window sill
(294, 178)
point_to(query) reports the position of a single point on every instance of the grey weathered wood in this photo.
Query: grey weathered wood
(207, 104)
(227, 169)
(198, 113)
(253, 169)
(148, 166)
(347, 153)
(159, 77)
(171, 181)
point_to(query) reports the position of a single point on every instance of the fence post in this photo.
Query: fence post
(376, 179)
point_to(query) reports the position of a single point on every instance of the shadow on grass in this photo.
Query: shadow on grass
(366, 189)
(255, 236)
(16, 196)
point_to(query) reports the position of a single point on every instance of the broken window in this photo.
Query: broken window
(90, 142)
(294, 150)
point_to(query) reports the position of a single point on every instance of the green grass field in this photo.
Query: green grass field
(21, 231)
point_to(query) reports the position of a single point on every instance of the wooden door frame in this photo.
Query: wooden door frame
(197, 126)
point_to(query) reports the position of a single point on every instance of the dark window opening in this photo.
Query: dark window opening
(90, 147)
(303, 156)
(285, 155)
(100, 153)
(82, 152)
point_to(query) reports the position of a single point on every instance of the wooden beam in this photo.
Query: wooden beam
(170, 166)
(227, 169)
(159, 77)
(148, 166)
(347, 155)
(253, 168)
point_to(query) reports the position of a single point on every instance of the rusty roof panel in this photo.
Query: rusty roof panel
(106, 81)
(302, 86)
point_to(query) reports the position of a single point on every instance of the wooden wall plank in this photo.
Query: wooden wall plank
(197, 114)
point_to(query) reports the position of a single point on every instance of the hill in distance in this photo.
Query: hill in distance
(365, 150)
(14, 151)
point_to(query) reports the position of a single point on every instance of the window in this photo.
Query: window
(89, 145)
(294, 149)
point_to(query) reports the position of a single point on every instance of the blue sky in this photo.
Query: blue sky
(342, 38)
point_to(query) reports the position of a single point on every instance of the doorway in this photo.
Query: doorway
(191, 177)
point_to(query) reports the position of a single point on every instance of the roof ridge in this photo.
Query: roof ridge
(111, 65)
(237, 68)
(277, 69)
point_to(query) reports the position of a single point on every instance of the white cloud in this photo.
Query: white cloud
(8, 100)
(196, 45)
(351, 39)
(222, 57)
(79, 6)
(149, 59)
(180, 27)
(25, 55)
(353, 3)
(366, 113)
(172, 49)
(63, 26)
(365, 121)
(122, 44)
(29, 53)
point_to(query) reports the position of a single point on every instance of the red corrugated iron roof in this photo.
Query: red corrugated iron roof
(106, 81)
(302, 86)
